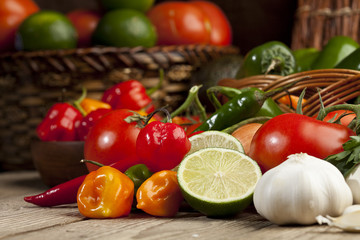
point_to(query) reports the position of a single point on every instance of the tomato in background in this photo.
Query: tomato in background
(112, 140)
(221, 31)
(291, 133)
(85, 22)
(336, 114)
(179, 23)
(12, 13)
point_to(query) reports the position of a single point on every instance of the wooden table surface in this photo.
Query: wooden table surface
(21, 220)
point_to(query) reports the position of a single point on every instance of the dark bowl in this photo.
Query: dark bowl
(58, 162)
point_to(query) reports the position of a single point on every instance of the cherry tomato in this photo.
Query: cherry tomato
(179, 23)
(85, 22)
(291, 133)
(12, 13)
(112, 140)
(336, 114)
(221, 31)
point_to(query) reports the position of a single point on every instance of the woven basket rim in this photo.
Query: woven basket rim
(334, 85)
(102, 58)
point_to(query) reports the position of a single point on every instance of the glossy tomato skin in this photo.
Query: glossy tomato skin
(221, 31)
(85, 22)
(12, 13)
(179, 23)
(112, 140)
(291, 133)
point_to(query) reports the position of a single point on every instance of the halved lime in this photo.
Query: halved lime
(218, 182)
(214, 139)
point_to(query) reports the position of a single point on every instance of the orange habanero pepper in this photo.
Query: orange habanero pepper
(105, 193)
(160, 194)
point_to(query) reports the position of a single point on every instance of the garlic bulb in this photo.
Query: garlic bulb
(353, 180)
(301, 188)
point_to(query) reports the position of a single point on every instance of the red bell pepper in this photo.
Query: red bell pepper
(162, 146)
(88, 121)
(59, 123)
(130, 94)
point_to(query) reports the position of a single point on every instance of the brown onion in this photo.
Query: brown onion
(245, 134)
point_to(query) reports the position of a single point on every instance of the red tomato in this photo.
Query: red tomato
(112, 140)
(336, 114)
(12, 13)
(221, 31)
(179, 23)
(85, 22)
(292, 133)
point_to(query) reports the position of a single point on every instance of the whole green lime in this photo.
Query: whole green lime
(124, 28)
(140, 5)
(46, 30)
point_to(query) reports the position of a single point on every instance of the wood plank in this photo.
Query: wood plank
(20, 220)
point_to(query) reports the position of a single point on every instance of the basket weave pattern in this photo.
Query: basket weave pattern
(30, 82)
(316, 21)
(335, 86)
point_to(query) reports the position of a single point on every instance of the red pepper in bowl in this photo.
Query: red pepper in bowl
(130, 94)
(59, 123)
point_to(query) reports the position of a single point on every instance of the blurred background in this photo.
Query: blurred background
(253, 22)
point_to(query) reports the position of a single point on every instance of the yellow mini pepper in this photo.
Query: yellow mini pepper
(105, 193)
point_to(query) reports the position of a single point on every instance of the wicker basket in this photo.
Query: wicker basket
(30, 82)
(334, 85)
(316, 21)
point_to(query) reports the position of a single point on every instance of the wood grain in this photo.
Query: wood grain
(20, 220)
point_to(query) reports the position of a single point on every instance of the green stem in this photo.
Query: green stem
(226, 91)
(77, 103)
(92, 162)
(193, 94)
(232, 128)
(351, 107)
(157, 87)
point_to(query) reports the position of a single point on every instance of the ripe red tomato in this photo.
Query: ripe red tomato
(112, 140)
(12, 13)
(85, 22)
(292, 133)
(221, 31)
(179, 23)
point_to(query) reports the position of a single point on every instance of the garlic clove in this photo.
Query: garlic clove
(352, 208)
(349, 222)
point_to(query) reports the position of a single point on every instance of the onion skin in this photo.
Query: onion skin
(245, 134)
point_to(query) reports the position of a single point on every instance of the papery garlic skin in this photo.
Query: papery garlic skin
(353, 180)
(301, 188)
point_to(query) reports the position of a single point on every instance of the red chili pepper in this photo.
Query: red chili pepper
(162, 146)
(130, 94)
(64, 193)
(88, 121)
(59, 123)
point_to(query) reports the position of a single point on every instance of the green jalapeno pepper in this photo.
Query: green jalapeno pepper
(304, 58)
(269, 58)
(352, 61)
(245, 104)
(334, 51)
(269, 109)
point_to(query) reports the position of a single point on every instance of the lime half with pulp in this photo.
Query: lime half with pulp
(218, 182)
